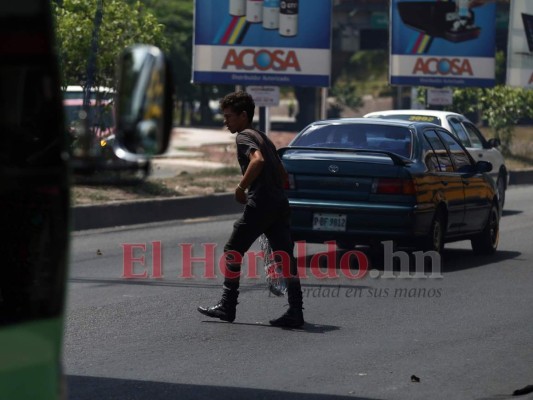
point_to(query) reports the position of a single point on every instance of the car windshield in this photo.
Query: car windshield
(100, 110)
(395, 139)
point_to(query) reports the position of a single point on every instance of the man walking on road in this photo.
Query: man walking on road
(266, 211)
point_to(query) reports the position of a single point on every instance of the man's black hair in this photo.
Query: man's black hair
(239, 101)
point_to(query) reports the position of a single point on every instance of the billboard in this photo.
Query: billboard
(262, 43)
(520, 46)
(442, 43)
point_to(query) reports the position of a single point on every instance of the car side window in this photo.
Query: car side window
(460, 157)
(430, 159)
(459, 131)
(476, 138)
(444, 162)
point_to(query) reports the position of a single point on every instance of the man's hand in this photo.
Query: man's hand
(240, 195)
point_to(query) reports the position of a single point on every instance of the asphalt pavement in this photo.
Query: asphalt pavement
(182, 155)
(132, 330)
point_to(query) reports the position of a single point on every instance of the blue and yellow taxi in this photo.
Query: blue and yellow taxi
(369, 180)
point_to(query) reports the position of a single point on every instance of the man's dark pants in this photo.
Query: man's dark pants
(272, 219)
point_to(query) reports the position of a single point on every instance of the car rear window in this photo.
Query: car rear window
(395, 139)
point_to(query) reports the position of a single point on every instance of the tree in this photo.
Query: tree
(501, 107)
(364, 73)
(370, 65)
(347, 94)
(177, 18)
(122, 25)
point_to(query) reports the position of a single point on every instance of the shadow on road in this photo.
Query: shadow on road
(507, 213)
(90, 388)
(307, 328)
(330, 264)
(460, 259)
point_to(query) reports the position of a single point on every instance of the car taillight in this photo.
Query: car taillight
(393, 186)
(289, 184)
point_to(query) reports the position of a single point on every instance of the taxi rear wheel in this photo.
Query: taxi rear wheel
(486, 242)
(435, 239)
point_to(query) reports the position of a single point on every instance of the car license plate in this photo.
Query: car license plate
(329, 222)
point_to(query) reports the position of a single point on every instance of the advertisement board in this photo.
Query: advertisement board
(520, 46)
(442, 43)
(264, 96)
(440, 97)
(262, 43)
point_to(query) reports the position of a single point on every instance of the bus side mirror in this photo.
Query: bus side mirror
(143, 103)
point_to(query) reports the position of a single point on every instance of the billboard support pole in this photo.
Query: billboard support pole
(324, 103)
(264, 120)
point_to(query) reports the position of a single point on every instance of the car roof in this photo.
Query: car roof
(436, 113)
(370, 120)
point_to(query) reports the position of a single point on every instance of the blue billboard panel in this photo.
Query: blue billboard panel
(266, 42)
(442, 43)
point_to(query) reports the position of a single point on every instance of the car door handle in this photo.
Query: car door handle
(445, 183)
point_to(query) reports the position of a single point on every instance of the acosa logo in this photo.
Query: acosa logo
(443, 66)
(263, 60)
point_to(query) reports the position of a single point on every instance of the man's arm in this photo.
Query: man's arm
(255, 167)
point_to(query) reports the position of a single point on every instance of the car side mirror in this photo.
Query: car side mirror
(143, 106)
(483, 166)
(144, 103)
(494, 142)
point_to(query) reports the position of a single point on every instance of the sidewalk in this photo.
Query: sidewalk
(181, 154)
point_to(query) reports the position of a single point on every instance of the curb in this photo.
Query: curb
(524, 177)
(147, 211)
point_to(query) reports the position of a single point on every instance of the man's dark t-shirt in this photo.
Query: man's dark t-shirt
(267, 188)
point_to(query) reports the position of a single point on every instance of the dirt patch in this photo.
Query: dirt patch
(198, 183)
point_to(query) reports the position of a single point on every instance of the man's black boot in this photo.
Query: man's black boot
(292, 318)
(225, 309)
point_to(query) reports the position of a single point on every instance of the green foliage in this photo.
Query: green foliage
(501, 107)
(369, 65)
(122, 25)
(347, 95)
(366, 72)
(501, 67)
(177, 19)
